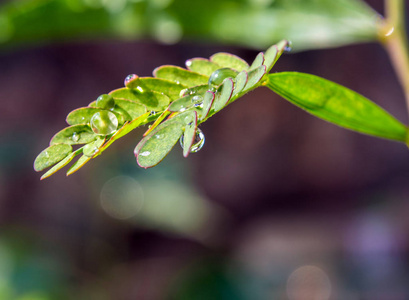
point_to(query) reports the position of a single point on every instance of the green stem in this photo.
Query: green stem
(392, 34)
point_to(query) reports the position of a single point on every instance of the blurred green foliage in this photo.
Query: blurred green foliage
(309, 24)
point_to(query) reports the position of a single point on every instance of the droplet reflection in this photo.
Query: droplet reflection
(198, 143)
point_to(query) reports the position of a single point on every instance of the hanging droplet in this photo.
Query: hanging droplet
(129, 78)
(219, 75)
(198, 143)
(75, 137)
(104, 123)
(289, 46)
(90, 149)
(197, 101)
(105, 101)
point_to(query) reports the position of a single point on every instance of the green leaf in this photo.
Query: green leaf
(153, 148)
(91, 149)
(189, 136)
(77, 134)
(180, 75)
(227, 60)
(241, 81)
(181, 104)
(208, 100)
(61, 164)
(152, 100)
(78, 164)
(133, 109)
(336, 104)
(202, 66)
(254, 77)
(157, 122)
(270, 57)
(223, 95)
(196, 90)
(51, 156)
(83, 115)
(258, 61)
(167, 87)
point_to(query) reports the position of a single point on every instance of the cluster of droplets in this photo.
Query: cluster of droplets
(198, 142)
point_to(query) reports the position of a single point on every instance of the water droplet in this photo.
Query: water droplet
(188, 63)
(289, 46)
(105, 101)
(47, 155)
(219, 75)
(152, 113)
(198, 143)
(75, 137)
(145, 153)
(159, 136)
(129, 78)
(90, 149)
(140, 89)
(197, 101)
(104, 123)
(182, 93)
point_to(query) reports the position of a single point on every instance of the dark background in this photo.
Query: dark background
(274, 189)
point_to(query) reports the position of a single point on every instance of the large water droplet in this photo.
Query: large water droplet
(198, 143)
(75, 137)
(289, 46)
(105, 101)
(104, 123)
(219, 75)
(129, 78)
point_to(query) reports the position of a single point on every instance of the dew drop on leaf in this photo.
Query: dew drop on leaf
(197, 100)
(129, 78)
(198, 143)
(104, 123)
(289, 46)
(182, 93)
(145, 153)
(75, 137)
(105, 101)
(90, 149)
(152, 113)
(219, 76)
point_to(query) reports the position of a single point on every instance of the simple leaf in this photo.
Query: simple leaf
(152, 100)
(179, 75)
(167, 87)
(208, 100)
(202, 66)
(61, 164)
(223, 96)
(336, 104)
(258, 61)
(51, 156)
(72, 135)
(227, 60)
(254, 77)
(189, 136)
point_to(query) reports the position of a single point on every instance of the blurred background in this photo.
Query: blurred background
(282, 206)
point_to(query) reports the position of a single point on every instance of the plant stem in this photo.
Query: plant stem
(392, 34)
